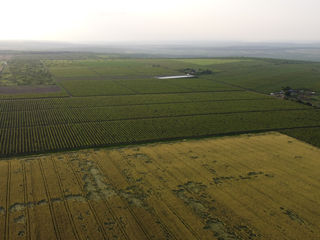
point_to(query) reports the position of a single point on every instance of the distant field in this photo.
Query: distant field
(207, 62)
(263, 75)
(19, 72)
(27, 78)
(246, 187)
(103, 68)
(271, 75)
(2, 66)
(95, 101)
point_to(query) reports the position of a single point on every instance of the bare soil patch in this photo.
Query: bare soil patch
(29, 89)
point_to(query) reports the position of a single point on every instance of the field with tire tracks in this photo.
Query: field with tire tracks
(261, 186)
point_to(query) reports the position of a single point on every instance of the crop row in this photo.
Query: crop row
(73, 136)
(78, 115)
(53, 103)
(309, 135)
(98, 87)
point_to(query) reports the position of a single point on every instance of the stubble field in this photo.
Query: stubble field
(247, 187)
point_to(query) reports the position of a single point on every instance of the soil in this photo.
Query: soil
(29, 89)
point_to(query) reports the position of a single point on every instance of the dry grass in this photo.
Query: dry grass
(247, 187)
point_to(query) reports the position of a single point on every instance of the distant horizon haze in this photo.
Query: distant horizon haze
(167, 21)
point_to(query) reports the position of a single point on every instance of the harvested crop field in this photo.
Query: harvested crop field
(262, 186)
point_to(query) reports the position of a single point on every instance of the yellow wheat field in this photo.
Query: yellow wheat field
(248, 187)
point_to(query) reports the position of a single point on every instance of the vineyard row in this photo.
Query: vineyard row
(73, 136)
(18, 119)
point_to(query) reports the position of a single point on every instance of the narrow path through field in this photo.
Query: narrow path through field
(25, 185)
(52, 213)
(7, 226)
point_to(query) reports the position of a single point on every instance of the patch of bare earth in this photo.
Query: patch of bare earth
(29, 89)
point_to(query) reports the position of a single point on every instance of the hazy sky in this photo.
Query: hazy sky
(164, 20)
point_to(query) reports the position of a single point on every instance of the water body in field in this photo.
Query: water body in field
(173, 77)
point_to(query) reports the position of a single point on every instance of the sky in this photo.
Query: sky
(156, 21)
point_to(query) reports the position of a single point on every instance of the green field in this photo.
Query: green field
(107, 101)
(271, 75)
(25, 72)
(210, 61)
